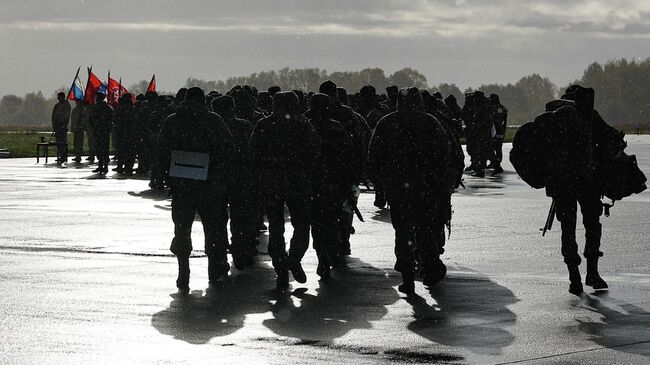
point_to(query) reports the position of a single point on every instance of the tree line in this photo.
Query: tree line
(621, 88)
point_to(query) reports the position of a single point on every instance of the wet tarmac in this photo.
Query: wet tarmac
(86, 277)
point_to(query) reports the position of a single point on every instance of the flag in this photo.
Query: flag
(115, 90)
(93, 86)
(76, 92)
(152, 84)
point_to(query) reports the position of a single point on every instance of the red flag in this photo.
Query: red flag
(115, 90)
(93, 86)
(152, 84)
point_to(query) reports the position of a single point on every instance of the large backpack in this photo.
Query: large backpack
(530, 150)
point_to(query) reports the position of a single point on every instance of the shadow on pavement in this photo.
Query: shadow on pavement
(622, 325)
(471, 312)
(199, 317)
(351, 299)
(155, 195)
(381, 215)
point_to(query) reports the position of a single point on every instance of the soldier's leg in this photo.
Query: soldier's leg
(214, 217)
(380, 198)
(277, 246)
(92, 145)
(497, 145)
(566, 214)
(404, 244)
(239, 226)
(592, 208)
(78, 143)
(318, 223)
(183, 211)
(299, 210)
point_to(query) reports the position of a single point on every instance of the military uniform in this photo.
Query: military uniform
(409, 155)
(194, 129)
(100, 118)
(284, 147)
(60, 120)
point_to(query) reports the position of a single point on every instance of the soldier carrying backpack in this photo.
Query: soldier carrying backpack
(579, 158)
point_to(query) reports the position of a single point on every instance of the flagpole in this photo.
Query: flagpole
(119, 88)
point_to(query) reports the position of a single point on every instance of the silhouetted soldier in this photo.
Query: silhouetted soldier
(477, 116)
(334, 175)
(60, 120)
(77, 128)
(409, 156)
(124, 122)
(101, 116)
(500, 118)
(455, 114)
(154, 113)
(577, 145)
(242, 196)
(284, 148)
(373, 111)
(195, 151)
(358, 129)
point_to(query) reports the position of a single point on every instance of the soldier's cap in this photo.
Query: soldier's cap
(223, 103)
(450, 99)
(437, 95)
(126, 99)
(195, 94)
(368, 92)
(285, 101)
(274, 89)
(328, 88)
(60, 94)
(100, 95)
(409, 99)
(494, 98)
(180, 94)
(319, 102)
(583, 96)
(392, 90)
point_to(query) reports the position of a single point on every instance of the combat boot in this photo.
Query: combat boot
(433, 275)
(183, 280)
(497, 170)
(593, 278)
(575, 286)
(282, 280)
(297, 271)
(217, 271)
(408, 283)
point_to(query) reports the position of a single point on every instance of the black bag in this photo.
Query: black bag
(620, 177)
(530, 151)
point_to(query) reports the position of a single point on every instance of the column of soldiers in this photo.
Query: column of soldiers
(309, 154)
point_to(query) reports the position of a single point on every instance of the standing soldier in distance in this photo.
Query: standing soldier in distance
(500, 117)
(77, 128)
(60, 120)
(101, 116)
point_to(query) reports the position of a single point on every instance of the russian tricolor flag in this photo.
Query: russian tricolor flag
(76, 92)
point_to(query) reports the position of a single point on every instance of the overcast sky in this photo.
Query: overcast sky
(467, 42)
